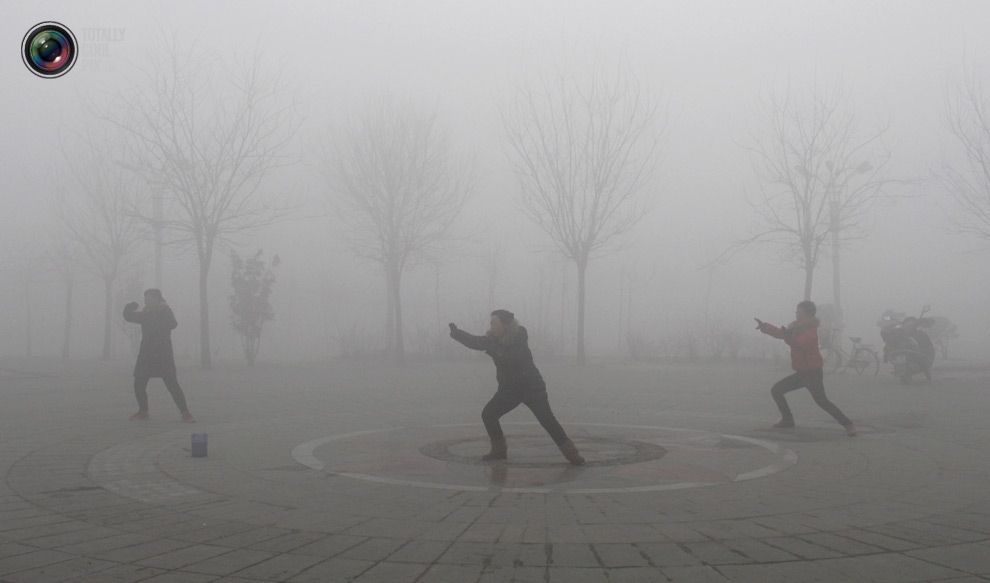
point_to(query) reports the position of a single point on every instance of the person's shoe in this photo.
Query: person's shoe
(784, 424)
(570, 452)
(851, 430)
(499, 451)
(187, 417)
(139, 416)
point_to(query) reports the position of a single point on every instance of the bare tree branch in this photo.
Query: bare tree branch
(210, 134)
(584, 151)
(819, 175)
(397, 184)
(967, 117)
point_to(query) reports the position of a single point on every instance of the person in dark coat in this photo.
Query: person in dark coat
(806, 360)
(155, 358)
(519, 382)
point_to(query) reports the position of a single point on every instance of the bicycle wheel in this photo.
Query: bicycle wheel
(833, 359)
(866, 361)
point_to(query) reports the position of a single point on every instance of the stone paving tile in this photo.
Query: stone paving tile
(21, 527)
(631, 533)
(25, 561)
(793, 572)
(877, 539)
(333, 571)
(889, 567)
(373, 549)
(802, 548)
(715, 553)
(62, 571)
(668, 554)
(701, 574)
(107, 543)
(213, 532)
(331, 545)
(142, 550)
(482, 532)
(440, 574)
(635, 575)
(182, 556)
(120, 574)
(229, 563)
(278, 568)
(468, 553)
(180, 577)
(63, 539)
(510, 574)
(677, 532)
(756, 551)
(620, 555)
(12, 549)
(420, 551)
(287, 542)
(576, 575)
(972, 558)
(572, 555)
(916, 533)
(249, 537)
(840, 544)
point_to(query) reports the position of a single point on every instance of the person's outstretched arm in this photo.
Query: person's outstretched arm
(470, 340)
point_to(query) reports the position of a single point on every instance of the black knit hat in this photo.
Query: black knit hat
(155, 293)
(504, 316)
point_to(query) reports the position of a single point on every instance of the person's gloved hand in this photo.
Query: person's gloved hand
(453, 328)
(759, 324)
(132, 306)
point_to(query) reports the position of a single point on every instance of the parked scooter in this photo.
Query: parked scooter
(908, 347)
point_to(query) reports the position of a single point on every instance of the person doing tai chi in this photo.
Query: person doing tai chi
(155, 358)
(806, 360)
(519, 381)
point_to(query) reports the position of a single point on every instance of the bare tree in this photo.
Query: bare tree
(95, 202)
(583, 150)
(967, 117)
(64, 255)
(23, 261)
(819, 174)
(209, 133)
(398, 187)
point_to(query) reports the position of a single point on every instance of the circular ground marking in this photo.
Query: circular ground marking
(620, 458)
(616, 452)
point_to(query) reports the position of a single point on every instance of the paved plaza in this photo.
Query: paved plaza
(364, 472)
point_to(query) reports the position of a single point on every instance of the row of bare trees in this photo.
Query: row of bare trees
(208, 136)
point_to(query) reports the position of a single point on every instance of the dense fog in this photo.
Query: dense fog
(657, 291)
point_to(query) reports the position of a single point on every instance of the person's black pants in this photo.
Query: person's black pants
(171, 383)
(812, 379)
(537, 401)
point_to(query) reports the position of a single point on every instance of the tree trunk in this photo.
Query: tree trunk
(809, 274)
(394, 292)
(205, 358)
(582, 268)
(837, 324)
(107, 306)
(28, 323)
(67, 330)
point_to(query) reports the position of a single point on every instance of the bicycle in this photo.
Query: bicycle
(862, 358)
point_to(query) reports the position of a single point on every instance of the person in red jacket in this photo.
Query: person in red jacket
(806, 360)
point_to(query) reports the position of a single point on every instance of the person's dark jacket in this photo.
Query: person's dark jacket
(155, 358)
(514, 366)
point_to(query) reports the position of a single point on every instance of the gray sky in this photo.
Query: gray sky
(709, 60)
